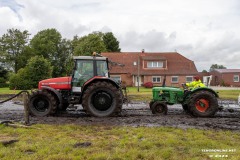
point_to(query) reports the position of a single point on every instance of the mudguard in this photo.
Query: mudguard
(55, 93)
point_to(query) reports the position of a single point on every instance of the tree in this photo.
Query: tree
(28, 77)
(88, 44)
(12, 46)
(3, 72)
(50, 45)
(111, 43)
(3, 76)
(65, 59)
(216, 66)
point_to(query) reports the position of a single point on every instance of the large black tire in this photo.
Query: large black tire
(42, 103)
(159, 108)
(203, 104)
(102, 99)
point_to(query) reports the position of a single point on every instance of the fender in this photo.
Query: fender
(206, 89)
(187, 95)
(56, 93)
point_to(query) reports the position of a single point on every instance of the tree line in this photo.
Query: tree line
(25, 61)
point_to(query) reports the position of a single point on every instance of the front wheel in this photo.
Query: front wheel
(203, 104)
(42, 103)
(159, 108)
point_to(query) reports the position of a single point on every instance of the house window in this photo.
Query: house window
(236, 78)
(116, 78)
(155, 64)
(174, 79)
(189, 78)
(156, 79)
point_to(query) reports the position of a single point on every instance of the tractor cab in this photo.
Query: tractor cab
(86, 68)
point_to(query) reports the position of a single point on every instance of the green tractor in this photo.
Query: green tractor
(199, 102)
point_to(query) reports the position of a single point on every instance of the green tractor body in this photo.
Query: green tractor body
(168, 95)
(201, 102)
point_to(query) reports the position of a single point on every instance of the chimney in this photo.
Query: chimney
(143, 50)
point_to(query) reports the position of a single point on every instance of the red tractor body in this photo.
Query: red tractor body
(56, 83)
(89, 85)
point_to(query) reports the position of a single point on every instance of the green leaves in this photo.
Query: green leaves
(16, 49)
(95, 42)
(12, 46)
(50, 45)
(89, 44)
(111, 43)
(216, 66)
(36, 70)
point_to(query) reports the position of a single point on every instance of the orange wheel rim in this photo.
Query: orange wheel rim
(202, 105)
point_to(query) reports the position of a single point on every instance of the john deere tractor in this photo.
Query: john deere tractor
(199, 102)
(88, 85)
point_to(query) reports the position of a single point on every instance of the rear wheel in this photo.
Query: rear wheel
(102, 99)
(203, 104)
(159, 108)
(42, 103)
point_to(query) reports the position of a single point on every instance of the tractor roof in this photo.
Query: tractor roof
(89, 57)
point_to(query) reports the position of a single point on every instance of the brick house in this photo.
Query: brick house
(225, 77)
(152, 67)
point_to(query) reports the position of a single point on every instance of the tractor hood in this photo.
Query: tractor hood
(63, 83)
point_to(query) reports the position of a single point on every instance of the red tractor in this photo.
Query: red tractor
(89, 85)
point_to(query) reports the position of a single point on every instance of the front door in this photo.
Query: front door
(136, 81)
(83, 72)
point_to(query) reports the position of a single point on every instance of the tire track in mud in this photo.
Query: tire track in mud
(138, 114)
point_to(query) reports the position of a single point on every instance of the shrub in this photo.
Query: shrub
(148, 85)
(28, 77)
(3, 83)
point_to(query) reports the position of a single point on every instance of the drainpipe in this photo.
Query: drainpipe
(138, 71)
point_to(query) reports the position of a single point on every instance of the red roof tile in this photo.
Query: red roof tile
(176, 63)
(227, 70)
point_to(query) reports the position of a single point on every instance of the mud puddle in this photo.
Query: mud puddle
(136, 114)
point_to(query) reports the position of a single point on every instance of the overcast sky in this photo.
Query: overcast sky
(205, 31)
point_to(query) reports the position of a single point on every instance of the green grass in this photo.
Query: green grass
(8, 91)
(229, 94)
(111, 142)
(145, 94)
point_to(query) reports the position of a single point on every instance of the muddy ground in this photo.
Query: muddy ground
(135, 114)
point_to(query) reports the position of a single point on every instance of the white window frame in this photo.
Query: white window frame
(116, 76)
(235, 78)
(156, 77)
(155, 64)
(189, 77)
(174, 77)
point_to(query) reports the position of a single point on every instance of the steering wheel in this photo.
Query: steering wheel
(184, 86)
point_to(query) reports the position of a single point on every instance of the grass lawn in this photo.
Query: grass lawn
(8, 91)
(109, 142)
(145, 94)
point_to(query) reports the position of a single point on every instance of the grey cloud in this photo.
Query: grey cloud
(152, 41)
(13, 5)
(224, 51)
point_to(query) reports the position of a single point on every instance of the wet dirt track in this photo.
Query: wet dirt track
(137, 114)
